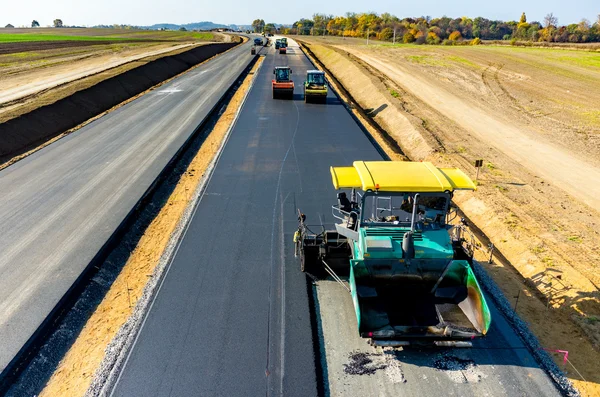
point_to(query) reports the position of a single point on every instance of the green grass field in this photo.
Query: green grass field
(26, 37)
(31, 35)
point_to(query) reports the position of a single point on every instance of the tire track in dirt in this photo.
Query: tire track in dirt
(540, 157)
(402, 103)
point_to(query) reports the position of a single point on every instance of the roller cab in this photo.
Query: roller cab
(282, 84)
(315, 87)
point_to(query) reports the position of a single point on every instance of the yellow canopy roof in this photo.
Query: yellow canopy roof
(400, 176)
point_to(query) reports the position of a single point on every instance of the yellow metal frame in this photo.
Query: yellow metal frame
(400, 176)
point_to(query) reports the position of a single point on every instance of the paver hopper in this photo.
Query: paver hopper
(283, 86)
(409, 270)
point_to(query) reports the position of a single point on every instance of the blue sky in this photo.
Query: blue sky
(148, 12)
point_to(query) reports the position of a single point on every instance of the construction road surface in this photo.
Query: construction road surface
(231, 317)
(60, 205)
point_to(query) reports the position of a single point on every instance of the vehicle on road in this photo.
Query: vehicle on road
(284, 41)
(409, 269)
(315, 87)
(258, 41)
(253, 51)
(277, 43)
(282, 84)
(282, 49)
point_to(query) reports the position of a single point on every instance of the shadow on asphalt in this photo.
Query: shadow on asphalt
(329, 101)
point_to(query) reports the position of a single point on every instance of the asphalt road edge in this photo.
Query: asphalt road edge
(543, 359)
(31, 348)
(120, 348)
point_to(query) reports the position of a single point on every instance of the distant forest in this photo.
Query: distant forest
(425, 30)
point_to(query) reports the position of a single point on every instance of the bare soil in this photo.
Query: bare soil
(531, 115)
(76, 370)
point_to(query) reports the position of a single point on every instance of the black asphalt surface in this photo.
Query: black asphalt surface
(231, 317)
(60, 205)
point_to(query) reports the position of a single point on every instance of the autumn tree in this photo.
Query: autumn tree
(455, 36)
(550, 20)
(58, 23)
(431, 31)
(408, 38)
(270, 28)
(432, 38)
(258, 25)
(385, 34)
(523, 18)
(303, 26)
(320, 23)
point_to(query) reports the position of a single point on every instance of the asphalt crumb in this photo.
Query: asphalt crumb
(460, 370)
(363, 364)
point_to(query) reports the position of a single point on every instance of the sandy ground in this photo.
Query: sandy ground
(76, 370)
(539, 220)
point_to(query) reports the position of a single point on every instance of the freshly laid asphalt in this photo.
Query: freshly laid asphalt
(60, 205)
(231, 317)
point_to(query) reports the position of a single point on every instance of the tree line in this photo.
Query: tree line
(427, 30)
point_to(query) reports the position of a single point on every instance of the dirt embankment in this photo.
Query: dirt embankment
(546, 239)
(27, 131)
